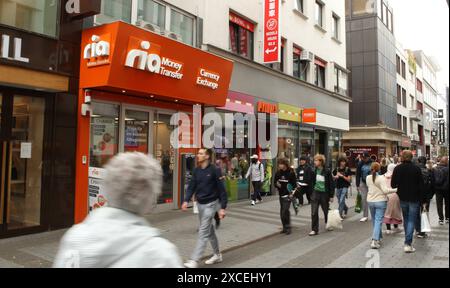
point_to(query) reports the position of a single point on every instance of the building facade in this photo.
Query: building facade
(310, 79)
(39, 75)
(371, 57)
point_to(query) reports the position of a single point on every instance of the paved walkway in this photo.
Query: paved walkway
(249, 237)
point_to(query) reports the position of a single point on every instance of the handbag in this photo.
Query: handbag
(334, 220)
(425, 222)
(358, 205)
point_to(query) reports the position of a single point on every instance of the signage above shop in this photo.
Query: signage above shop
(289, 112)
(79, 9)
(264, 107)
(272, 36)
(16, 53)
(309, 115)
(121, 57)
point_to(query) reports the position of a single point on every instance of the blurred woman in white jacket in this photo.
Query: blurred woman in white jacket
(118, 236)
(377, 201)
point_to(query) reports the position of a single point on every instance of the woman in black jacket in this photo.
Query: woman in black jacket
(323, 192)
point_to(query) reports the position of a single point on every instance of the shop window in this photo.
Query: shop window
(104, 134)
(113, 10)
(288, 142)
(165, 154)
(300, 67)
(39, 16)
(152, 12)
(241, 37)
(136, 131)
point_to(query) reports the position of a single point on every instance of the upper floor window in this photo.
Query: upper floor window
(319, 13)
(419, 86)
(152, 12)
(280, 65)
(341, 84)
(398, 61)
(182, 25)
(299, 6)
(403, 69)
(241, 36)
(39, 16)
(300, 67)
(363, 7)
(320, 67)
(335, 27)
(113, 10)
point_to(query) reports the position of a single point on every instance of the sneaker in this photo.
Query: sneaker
(375, 245)
(214, 259)
(441, 222)
(191, 264)
(409, 249)
(364, 219)
(253, 203)
(421, 235)
(397, 230)
(446, 221)
(313, 233)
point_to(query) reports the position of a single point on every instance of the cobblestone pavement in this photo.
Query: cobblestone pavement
(249, 237)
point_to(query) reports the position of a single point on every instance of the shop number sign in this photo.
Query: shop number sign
(272, 39)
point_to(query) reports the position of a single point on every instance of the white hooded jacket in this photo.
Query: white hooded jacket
(115, 238)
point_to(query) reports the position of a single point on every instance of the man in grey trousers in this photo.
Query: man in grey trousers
(207, 185)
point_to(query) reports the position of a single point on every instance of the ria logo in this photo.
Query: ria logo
(97, 52)
(145, 56)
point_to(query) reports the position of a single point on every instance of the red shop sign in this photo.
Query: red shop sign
(272, 39)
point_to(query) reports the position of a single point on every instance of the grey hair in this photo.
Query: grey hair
(133, 181)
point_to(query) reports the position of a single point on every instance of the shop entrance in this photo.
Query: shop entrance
(22, 118)
(117, 128)
(321, 142)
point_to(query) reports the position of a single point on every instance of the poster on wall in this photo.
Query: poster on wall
(96, 196)
(103, 131)
(136, 136)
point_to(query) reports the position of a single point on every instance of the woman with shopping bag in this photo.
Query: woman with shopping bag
(377, 201)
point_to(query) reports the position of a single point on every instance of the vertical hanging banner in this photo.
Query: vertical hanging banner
(272, 37)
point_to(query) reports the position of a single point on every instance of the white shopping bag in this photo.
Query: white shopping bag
(334, 220)
(195, 207)
(425, 223)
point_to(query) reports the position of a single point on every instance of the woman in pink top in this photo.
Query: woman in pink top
(393, 213)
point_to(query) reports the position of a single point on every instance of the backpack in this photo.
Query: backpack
(440, 178)
(426, 175)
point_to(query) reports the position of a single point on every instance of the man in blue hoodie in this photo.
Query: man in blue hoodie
(207, 184)
(362, 171)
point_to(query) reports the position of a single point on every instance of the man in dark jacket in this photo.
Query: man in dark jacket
(207, 184)
(304, 176)
(323, 192)
(441, 187)
(407, 178)
(285, 181)
(362, 171)
(428, 192)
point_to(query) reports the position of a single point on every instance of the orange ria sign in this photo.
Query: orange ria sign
(309, 115)
(121, 57)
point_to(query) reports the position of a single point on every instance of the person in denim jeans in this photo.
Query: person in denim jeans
(343, 177)
(407, 177)
(377, 201)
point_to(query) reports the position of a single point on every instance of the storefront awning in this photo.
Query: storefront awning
(123, 58)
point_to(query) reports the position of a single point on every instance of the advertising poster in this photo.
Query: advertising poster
(103, 132)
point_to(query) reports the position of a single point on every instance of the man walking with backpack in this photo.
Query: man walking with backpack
(207, 185)
(441, 188)
(256, 174)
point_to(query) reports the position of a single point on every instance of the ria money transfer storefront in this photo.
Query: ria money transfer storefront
(131, 83)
